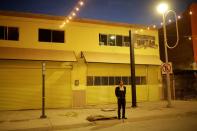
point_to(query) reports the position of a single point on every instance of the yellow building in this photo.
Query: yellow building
(84, 61)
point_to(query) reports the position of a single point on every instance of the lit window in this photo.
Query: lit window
(111, 40)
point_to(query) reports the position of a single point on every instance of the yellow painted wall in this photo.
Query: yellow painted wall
(154, 83)
(78, 36)
(106, 94)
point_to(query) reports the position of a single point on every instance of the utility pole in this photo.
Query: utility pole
(132, 65)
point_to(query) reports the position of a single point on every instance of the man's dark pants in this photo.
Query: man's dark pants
(121, 104)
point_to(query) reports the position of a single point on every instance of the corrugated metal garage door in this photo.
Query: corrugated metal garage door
(20, 86)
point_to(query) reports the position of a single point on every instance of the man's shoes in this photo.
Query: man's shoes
(124, 118)
(118, 118)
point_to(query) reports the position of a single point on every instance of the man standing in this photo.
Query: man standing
(120, 94)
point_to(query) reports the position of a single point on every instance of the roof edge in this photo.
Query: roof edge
(61, 18)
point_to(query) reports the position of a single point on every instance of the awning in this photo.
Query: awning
(13, 53)
(101, 57)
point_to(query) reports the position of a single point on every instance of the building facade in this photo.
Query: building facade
(184, 56)
(84, 61)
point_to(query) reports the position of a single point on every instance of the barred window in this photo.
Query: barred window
(117, 80)
(104, 81)
(111, 80)
(97, 80)
(114, 80)
(125, 80)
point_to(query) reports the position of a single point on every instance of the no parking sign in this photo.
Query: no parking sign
(166, 67)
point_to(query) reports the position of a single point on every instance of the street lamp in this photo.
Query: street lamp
(163, 9)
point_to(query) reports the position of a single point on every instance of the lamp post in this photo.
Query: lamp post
(163, 9)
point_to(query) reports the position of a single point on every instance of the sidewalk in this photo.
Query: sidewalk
(57, 119)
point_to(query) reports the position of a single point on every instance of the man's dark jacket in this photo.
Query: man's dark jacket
(120, 94)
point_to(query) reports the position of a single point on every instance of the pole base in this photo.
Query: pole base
(43, 116)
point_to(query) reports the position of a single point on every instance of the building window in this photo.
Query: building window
(46, 35)
(126, 41)
(125, 80)
(90, 81)
(111, 40)
(97, 80)
(2, 33)
(58, 36)
(117, 80)
(143, 80)
(102, 39)
(114, 40)
(104, 80)
(9, 33)
(113, 80)
(119, 40)
(137, 80)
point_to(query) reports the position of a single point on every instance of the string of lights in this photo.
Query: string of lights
(80, 4)
(154, 26)
(73, 13)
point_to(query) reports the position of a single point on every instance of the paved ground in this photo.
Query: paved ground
(174, 123)
(73, 119)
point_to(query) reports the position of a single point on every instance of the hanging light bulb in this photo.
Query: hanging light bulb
(62, 25)
(81, 3)
(148, 28)
(154, 26)
(179, 17)
(190, 38)
(77, 8)
(73, 14)
(67, 21)
(190, 12)
(70, 17)
(161, 23)
(169, 20)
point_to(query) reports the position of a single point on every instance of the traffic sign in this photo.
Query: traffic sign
(166, 68)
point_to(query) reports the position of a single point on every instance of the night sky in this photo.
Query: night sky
(127, 11)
